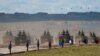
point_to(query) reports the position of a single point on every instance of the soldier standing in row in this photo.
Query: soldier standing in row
(38, 44)
(49, 44)
(62, 43)
(27, 45)
(10, 47)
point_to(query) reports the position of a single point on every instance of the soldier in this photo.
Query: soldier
(10, 47)
(27, 45)
(62, 43)
(49, 44)
(79, 42)
(38, 44)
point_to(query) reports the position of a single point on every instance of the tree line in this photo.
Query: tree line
(64, 37)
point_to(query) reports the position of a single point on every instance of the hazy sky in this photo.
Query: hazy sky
(50, 6)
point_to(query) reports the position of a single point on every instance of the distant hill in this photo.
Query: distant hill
(41, 16)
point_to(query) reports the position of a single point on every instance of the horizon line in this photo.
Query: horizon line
(50, 13)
